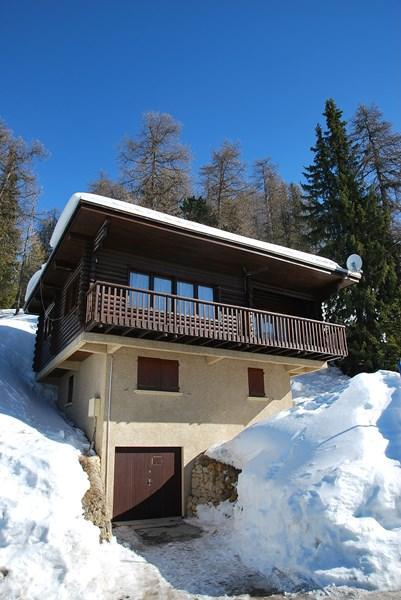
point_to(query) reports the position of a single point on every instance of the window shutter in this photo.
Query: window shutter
(148, 373)
(256, 382)
(157, 374)
(169, 375)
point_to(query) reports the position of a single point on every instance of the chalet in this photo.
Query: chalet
(165, 336)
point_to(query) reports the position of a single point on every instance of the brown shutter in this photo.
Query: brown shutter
(157, 374)
(256, 382)
(169, 375)
(148, 373)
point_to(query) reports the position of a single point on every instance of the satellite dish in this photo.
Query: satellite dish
(354, 263)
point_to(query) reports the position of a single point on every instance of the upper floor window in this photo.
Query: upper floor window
(165, 285)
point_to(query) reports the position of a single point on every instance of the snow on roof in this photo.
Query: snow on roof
(33, 281)
(140, 211)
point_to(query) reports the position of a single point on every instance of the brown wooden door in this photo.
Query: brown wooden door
(147, 483)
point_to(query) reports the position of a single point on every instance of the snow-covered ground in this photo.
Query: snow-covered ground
(47, 549)
(319, 496)
(324, 498)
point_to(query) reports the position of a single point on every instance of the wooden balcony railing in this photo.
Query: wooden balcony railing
(134, 311)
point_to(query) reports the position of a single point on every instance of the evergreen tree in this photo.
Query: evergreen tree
(197, 209)
(18, 192)
(344, 217)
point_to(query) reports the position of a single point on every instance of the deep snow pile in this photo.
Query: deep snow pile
(319, 496)
(47, 549)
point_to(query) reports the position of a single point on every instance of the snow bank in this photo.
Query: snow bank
(47, 549)
(319, 496)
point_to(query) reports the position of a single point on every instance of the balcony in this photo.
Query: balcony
(136, 312)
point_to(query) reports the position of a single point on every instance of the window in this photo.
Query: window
(256, 383)
(157, 374)
(188, 291)
(70, 393)
(142, 282)
(165, 285)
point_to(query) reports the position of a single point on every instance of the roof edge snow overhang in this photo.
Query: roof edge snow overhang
(178, 224)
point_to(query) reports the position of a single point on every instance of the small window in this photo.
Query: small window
(256, 383)
(70, 389)
(157, 374)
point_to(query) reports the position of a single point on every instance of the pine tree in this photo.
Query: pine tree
(344, 217)
(197, 209)
(18, 192)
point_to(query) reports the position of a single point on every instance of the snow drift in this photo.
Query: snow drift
(47, 549)
(319, 496)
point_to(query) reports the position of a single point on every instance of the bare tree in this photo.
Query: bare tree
(155, 164)
(267, 184)
(223, 181)
(378, 149)
(104, 186)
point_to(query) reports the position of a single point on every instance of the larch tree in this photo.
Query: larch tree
(344, 217)
(104, 186)
(223, 182)
(378, 150)
(155, 165)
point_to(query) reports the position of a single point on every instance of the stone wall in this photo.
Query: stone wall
(94, 502)
(212, 482)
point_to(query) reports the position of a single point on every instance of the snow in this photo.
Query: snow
(33, 281)
(319, 495)
(317, 504)
(47, 549)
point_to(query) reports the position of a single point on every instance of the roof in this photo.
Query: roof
(185, 225)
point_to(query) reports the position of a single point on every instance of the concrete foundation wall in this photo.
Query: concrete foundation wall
(212, 406)
(89, 382)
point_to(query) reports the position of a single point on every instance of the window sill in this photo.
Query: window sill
(157, 393)
(259, 398)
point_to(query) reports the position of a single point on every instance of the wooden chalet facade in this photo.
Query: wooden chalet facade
(123, 281)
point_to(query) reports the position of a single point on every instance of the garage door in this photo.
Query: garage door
(147, 483)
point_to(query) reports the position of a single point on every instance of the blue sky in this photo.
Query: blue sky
(79, 74)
